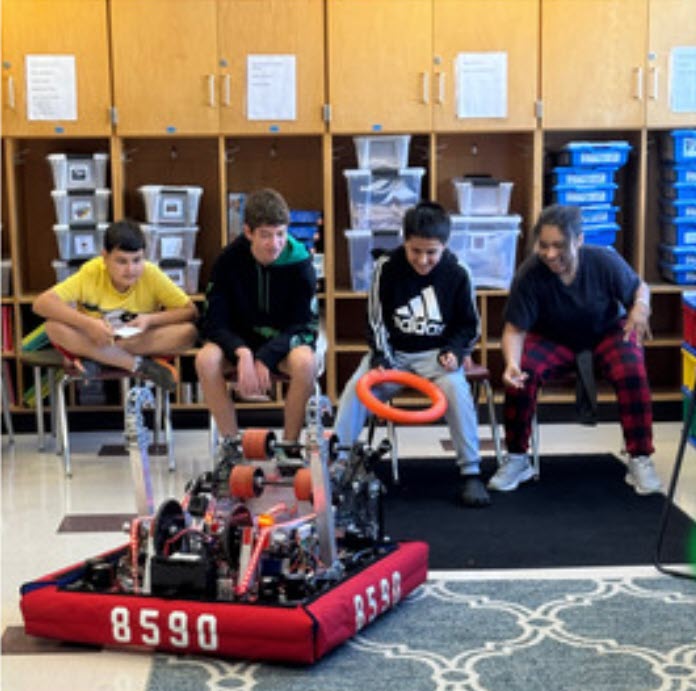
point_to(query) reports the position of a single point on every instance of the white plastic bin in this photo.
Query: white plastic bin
(167, 204)
(170, 242)
(78, 171)
(80, 242)
(488, 247)
(75, 206)
(386, 151)
(184, 273)
(482, 196)
(379, 200)
(361, 243)
(65, 268)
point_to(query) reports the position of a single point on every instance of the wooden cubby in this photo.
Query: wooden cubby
(161, 88)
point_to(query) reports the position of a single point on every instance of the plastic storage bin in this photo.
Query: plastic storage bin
(78, 171)
(590, 194)
(600, 234)
(678, 231)
(610, 154)
(582, 176)
(689, 314)
(170, 242)
(679, 173)
(183, 272)
(485, 223)
(361, 244)
(76, 206)
(6, 271)
(678, 209)
(681, 274)
(489, 254)
(305, 217)
(679, 191)
(678, 254)
(65, 268)
(378, 201)
(381, 152)
(80, 242)
(598, 213)
(679, 146)
(175, 205)
(482, 196)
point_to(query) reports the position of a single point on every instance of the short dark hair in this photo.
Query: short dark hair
(568, 219)
(125, 235)
(266, 207)
(427, 220)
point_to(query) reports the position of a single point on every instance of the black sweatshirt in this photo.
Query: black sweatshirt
(270, 309)
(414, 313)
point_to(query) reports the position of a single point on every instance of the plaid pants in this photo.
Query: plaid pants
(619, 362)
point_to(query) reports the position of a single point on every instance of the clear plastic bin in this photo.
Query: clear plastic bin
(236, 205)
(65, 268)
(76, 206)
(609, 154)
(6, 271)
(379, 200)
(382, 152)
(184, 273)
(170, 242)
(481, 196)
(679, 146)
(78, 171)
(485, 223)
(175, 205)
(490, 255)
(361, 243)
(80, 242)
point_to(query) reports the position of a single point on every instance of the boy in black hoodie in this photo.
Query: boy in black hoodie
(261, 317)
(422, 318)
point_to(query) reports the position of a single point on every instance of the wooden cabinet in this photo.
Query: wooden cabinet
(165, 66)
(379, 55)
(66, 42)
(272, 28)
(506, 27)
(672, 24)
(593, 63)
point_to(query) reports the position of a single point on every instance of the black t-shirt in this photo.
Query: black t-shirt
(576, 315)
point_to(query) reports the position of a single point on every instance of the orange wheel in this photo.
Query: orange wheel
(303, 484)
(246, 482)
(392, 413)
(257, 444)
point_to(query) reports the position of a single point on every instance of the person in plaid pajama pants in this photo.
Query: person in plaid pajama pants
(567, 299)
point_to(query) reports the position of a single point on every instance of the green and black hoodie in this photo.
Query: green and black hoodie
(270, 309)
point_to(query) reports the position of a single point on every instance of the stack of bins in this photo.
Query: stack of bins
(171, 231)
(380, 191)
(678, 207)
(585, 177)
(689, 356)
(484, 236)
(306, 226)
(81, 202)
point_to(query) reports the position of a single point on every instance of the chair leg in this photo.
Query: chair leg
(63, 425)
(156, 433)
(495, 432)
(169, 433)
(38, 399)
(52, 398)
(6, 414)
(212, 435)
(536, 462)
(391, 435)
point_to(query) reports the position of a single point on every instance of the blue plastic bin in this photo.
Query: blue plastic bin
(681, 274)
(679, 173)
(678, 254)
(679, 146)
(599, 213)
(610, 154)
(305, 216)
(678, 231)
(600, 234)
(679, 191)
(583, 176)
(588, 194)
(679, 209)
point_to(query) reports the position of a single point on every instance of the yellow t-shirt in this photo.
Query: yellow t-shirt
(90, 289)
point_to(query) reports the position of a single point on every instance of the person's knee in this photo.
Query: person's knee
(302, 364)
(209, 361)
(188, 334)
(56, 331)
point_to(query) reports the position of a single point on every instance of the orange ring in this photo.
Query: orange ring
(392, 413)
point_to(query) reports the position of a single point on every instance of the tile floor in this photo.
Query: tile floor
(36, 497)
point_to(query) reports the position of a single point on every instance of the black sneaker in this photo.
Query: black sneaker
(89, 369)
(160, 372)
(473, 492)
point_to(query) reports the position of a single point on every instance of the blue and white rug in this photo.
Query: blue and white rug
(459, 632)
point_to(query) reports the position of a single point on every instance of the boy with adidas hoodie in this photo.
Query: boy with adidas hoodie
(422, 318)
(261, 317)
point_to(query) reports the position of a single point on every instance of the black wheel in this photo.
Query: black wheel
(169, 520)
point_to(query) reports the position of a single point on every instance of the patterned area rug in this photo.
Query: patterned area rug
(591, 633)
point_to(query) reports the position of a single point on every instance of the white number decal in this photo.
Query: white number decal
(371, 602)
(396, 587)
(178, 622)
(389, 594)
(148, 622)
(207, 632)
(359, 612)
(120, 624)
(386, 598)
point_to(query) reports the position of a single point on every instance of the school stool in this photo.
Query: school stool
(479, 378)
(61, 372)
(6, 415)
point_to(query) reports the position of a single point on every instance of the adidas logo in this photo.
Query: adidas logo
(421, 316)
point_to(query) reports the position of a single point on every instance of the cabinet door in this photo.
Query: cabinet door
(510, 27)
(380, 53)
(592, 66)
(165, 66)
(672, 26)
(58, 29)
(280, 28)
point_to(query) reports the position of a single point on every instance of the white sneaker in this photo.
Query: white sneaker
(642, 475)
(514, 469)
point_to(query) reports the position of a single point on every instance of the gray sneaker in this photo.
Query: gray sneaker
(642, 475)
(514, 469)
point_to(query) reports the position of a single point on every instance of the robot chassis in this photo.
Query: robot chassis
(273, 523)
